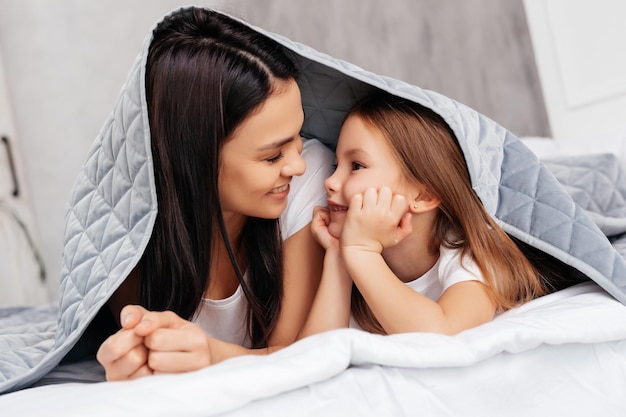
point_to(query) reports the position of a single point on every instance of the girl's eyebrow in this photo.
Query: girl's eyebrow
(355, 153)
(275, 145)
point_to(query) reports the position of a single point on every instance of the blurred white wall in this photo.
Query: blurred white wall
(579, 48)
(64, 64)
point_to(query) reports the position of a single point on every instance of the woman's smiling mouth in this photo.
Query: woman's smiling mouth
(280, 189)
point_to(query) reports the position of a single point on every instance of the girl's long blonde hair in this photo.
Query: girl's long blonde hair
(427, 152)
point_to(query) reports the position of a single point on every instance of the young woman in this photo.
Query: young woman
(216, 279)
(409, 246)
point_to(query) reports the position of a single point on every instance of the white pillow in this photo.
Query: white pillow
(545, 147)
(542, 147)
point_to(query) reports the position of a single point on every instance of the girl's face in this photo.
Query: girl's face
(259, 161)
(364, 159)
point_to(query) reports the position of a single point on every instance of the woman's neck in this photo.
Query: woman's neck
(234, 225)
(223, 281)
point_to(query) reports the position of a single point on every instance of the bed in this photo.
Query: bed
(561, 354)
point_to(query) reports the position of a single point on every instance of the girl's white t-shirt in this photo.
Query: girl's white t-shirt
(226, 319)
(449, 269)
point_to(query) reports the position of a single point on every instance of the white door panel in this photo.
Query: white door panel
(579, 49)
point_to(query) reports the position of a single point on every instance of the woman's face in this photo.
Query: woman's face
(364, 159)
(259, 161)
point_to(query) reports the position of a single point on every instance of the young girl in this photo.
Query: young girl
(409, 246)
(216, 280)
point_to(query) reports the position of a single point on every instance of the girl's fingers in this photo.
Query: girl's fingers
(320, 212)
(356, 204)
(399, 205)
(319, 227)
(370, 197)
(405, 228)
(385, 197)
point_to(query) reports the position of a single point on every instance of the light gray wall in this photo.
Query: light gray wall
(65, 62)
(476, 51)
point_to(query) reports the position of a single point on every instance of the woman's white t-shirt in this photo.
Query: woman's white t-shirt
(226, 319)
(449, 269)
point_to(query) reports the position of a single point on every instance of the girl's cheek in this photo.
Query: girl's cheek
(351, 188)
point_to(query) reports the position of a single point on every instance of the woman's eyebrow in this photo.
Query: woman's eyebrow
(275, 145)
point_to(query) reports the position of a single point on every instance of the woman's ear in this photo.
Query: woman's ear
(424, 201)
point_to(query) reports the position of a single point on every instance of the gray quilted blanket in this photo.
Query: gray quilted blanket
(113, 205)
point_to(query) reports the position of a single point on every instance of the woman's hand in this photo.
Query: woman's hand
(153, 342)
(173, 343)
(376, 220)
(123, 354)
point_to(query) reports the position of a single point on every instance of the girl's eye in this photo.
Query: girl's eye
(275, 158)
(356, 166)
(334, 167)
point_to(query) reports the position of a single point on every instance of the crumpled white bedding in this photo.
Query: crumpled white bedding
(562, 354)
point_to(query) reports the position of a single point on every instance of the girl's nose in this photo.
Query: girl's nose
(331, 184)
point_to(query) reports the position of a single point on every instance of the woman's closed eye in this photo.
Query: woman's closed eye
(275, 158)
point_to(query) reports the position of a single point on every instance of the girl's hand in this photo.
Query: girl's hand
(173, 343)
(319, 228)
(123, 354)
(376, 220)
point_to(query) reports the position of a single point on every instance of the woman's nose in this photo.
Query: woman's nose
(295, 165)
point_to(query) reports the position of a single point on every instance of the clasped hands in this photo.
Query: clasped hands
(153, 343)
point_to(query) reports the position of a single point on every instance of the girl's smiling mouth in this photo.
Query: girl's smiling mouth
(336, 208)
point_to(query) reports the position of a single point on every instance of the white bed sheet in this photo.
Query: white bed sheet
(562, 354)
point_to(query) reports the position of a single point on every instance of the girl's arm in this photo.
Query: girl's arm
(331, 307)
(377, 220)
(400, 309)
(303, 267)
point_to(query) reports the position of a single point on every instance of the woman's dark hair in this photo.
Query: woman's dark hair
(205, 74)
